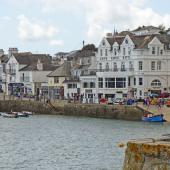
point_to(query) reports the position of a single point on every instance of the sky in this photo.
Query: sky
(51, 26)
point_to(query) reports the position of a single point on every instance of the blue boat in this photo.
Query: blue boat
(153, 118)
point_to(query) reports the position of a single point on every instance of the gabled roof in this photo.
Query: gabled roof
(28, 58)
(62, 71)
(118, 39)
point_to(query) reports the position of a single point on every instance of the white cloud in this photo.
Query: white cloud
(56, 42)
(31, 30)
(101, 15)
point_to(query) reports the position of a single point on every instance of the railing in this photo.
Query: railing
(11, 72)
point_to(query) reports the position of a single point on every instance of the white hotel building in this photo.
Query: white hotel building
(130, 66)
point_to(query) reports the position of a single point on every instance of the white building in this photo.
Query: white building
(131, 66)
(17, 61)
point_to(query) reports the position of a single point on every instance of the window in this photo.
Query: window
(101, 52)
(124, 51)
(129, 81)
(107, 66)
(103, 43)
(130, 65)
(120, 82)
(122, 66)
(100, 66)
(140, 92)
(115, 66)
(140, 65)
(85, 85)
(100, 82)
(161, 52)
(155, 83)
(115, 51)
(153, 65)
(157, 50)
(92, 85)
(140, 81)
(134, 81)
(56, 80)
(153, 50)
(158, 65)
(110, 82)
(105, 52)
(126, 41)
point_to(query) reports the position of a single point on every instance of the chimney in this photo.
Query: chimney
(12, 51)
(39, 65)
(1, 52)
(83, 43)
(109, 34)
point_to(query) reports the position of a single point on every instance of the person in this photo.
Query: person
(148, 103)
(159, 104)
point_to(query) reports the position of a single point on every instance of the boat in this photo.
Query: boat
(9, 115)
(153, 118)
(22, 114)
(27, 112)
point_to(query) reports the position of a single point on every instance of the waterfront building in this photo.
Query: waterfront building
(56, 80)
(15, 63)
(34, 77)
(133, 65)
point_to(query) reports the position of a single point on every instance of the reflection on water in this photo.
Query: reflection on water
(61, 143)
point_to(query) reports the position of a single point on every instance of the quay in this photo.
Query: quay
(121, 112)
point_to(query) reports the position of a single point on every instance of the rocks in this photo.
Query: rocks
(147, 155)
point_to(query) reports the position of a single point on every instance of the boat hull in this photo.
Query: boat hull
(154, 118)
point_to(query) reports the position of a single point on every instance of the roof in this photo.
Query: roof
(72, 80)
(118, 39)
(28, 58)
(62, 71)
(46, 67)
(124, 33)
(141, 41)
(146, 28)
(4, 58)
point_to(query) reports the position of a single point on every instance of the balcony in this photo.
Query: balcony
(24, 79)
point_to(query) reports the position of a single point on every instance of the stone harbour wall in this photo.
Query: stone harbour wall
(147, 155)
(97, 111)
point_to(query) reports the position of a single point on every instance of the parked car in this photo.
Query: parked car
(118, 101)
(167, 103)
(110, 101)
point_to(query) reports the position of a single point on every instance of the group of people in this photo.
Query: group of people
(158, 102)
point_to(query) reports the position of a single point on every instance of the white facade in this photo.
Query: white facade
(131, 67)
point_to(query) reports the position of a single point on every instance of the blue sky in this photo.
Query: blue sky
(50, 26)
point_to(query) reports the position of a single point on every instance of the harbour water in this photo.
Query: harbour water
(69, 143)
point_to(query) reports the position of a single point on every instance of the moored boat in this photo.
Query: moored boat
(22, 114)
(27, 112)
(9, 115)
(153, 118)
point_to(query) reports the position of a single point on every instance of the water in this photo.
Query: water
(69, 143)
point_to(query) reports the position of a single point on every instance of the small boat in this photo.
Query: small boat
(22, 114)
(9, 115)
(153, 118)
(27, 112)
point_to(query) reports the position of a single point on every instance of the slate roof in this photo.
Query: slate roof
(46, 67)
(4, 58)
(141, 41)
(28, 58)
(145, 28)
(62, 71)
